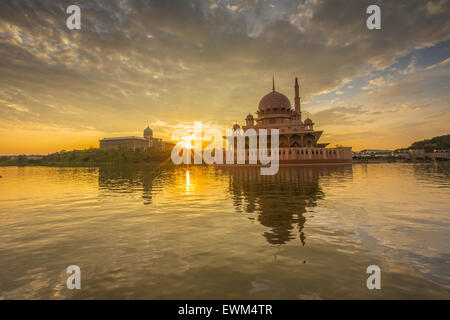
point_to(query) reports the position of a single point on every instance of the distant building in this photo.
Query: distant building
(373, 153)
(439, 155)
(414, 154)
(35, 157)
(148, 141)
(367, 152)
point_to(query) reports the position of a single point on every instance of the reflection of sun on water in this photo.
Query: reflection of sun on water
(188, 182)
(187, 142)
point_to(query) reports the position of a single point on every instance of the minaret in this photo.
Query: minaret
(297, 99)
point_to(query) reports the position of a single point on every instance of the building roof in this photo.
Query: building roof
(124, 138)
(148, 130)
(375, 150)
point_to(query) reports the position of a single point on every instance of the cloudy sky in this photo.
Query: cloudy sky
(169, 63)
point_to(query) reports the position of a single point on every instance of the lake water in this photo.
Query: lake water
(204, 232)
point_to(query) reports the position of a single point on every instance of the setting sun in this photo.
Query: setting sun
(187, 142)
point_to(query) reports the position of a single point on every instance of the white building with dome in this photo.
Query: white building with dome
(298, 141)
(145, 142)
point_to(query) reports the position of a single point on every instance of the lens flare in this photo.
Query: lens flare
(187, 142)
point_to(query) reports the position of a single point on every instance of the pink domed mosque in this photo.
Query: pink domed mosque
(298, 141)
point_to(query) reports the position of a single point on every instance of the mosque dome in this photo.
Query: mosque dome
(274, 100)
(236, 126)
(249, 116)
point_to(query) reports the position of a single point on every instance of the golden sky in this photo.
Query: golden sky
(169, 63)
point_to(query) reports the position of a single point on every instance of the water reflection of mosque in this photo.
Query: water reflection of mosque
(128, 180)
(279, 201)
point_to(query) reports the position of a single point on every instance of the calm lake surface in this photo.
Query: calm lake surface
(204, 232)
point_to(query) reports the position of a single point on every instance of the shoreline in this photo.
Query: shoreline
(167, 164)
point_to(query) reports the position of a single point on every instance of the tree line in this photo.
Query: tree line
(93, 157)
(436, 143)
